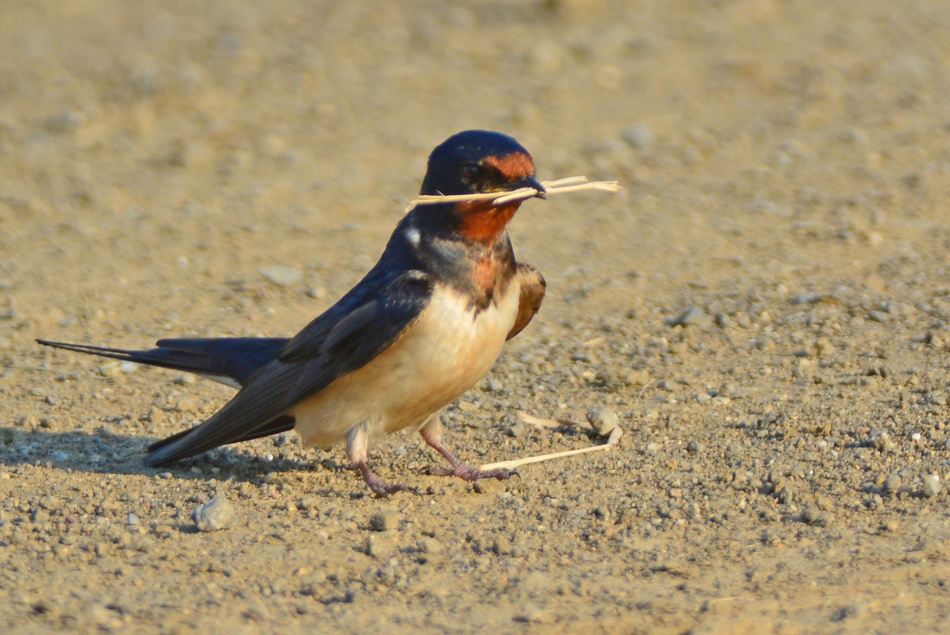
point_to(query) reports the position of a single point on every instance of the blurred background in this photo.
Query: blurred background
(147, 145)
(772, 288)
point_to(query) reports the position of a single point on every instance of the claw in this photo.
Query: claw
(432, 434)
(379, 487)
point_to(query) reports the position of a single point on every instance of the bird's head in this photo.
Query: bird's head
(474, 162)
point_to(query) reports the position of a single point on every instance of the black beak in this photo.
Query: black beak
(536, 184)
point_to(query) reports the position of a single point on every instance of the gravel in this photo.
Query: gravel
(215, 515)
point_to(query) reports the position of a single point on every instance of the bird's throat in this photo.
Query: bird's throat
(483, 222)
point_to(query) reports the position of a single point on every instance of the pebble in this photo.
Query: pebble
(502, 546)
(317, 293)
(215, 515)
(308, 502)
(280, 275)
(493, 385)
(693, 446)
(814, 516)
(882, 441)
(185, 379)
(638, 377)
(933, 340)
(384, 521)
(807, 297)
(535, 615)
(603, 420)
(488, 486)
(931, 486)
(892, 483)
(430, 546)
(693, 316)
(639, 137)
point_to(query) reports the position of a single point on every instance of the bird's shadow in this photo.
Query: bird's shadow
(109, 453)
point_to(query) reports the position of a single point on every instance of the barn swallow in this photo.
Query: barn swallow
(422, 327)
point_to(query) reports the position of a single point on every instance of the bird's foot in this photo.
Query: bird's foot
(378, 486)
(471, 474)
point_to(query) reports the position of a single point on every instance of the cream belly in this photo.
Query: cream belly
(440, 356)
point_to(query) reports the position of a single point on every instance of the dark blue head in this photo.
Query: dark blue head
(478, 161)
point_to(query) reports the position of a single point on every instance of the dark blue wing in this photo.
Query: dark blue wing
(359, 327)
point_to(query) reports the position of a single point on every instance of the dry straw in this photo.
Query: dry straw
(559, 186)
(612, 440)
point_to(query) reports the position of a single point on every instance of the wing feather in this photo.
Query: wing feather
(351, 333)
(532, 294)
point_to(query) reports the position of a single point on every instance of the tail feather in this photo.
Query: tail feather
(230, 360)
(159, 453)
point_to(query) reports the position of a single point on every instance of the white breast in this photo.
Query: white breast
(440, 356)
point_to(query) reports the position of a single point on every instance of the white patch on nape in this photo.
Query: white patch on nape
(414, 237)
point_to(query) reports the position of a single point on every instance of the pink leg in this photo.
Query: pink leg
(357, 446)
(432, 434)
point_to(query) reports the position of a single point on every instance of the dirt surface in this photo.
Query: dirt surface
(765, 306)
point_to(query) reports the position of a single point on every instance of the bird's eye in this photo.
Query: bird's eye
(471, 171)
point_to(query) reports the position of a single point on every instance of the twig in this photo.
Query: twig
(557, 186)
(612, 441)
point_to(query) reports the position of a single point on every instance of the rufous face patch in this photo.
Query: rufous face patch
(514, 166)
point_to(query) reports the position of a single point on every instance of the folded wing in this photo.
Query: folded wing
(351, 333)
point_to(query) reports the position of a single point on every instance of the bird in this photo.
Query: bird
(422, 327)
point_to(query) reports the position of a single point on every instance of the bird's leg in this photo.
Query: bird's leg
(432, 434)
(357, 448)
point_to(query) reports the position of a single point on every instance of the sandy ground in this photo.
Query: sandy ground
(765, 306)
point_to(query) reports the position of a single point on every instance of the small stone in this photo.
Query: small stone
(493, 385)
(535, 615)
(280, 275)
(878, 316)
(882, 441)
(931, 486)
(933, 340)
(162, 530)
(317, 293)
(185, 379)
(693, 316)
(308, 502)
(892, 483)
(639, 137)
(693, 446)
(371, 546)
(814, 516)
(723, 320)
(384, 521)
(502, 546)
(638, 377)
(603, 420)
(215, 515)
(131, 520)
(806, 298)
(430, 546)
(489, 486)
